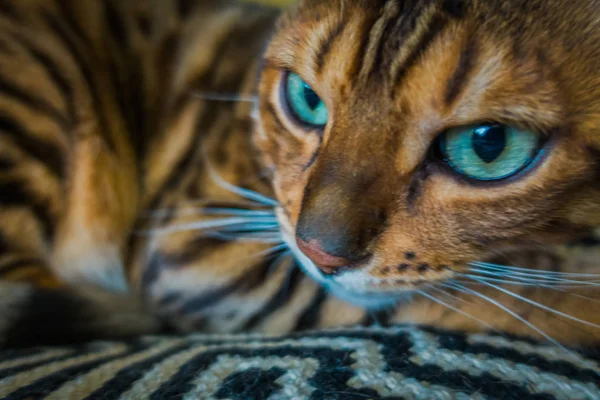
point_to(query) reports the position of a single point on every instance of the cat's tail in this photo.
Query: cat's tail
(32, 316)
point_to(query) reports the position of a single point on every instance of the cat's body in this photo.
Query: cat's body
(128, 127)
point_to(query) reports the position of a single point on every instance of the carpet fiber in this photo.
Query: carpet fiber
(364, 363)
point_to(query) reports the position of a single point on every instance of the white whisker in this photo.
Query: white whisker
(237, 212)
(529, 282)
(594, 300)
(433, 298)
(186, 211)
(213, 224)
(532, 278)
(252, 227)
(503, 281)
(227, 97)
(245, 193)
(272, 250)
(505, 268)
(447, 294)
(251, 238)
(512, 313)
(541, 306)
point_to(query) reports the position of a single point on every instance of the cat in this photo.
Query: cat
(220, 166)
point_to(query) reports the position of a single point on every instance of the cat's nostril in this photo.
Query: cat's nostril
(324, 261)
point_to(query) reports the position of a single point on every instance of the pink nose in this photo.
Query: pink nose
(324, 261)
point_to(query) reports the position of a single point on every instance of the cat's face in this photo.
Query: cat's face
(408, 139)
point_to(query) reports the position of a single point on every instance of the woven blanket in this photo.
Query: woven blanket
(362, 363)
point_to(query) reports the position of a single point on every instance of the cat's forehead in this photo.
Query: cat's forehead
(378, 46)
(364, 39)
(379, 29)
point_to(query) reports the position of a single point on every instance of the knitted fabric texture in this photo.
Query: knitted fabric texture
(361, 363)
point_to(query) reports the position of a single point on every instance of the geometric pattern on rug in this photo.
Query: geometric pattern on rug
(362, 363)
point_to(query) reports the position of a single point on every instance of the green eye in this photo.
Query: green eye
(489, 152)
(304, 103)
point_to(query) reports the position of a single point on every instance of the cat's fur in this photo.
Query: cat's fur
(116, 146)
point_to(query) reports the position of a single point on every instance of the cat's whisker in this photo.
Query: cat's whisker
(538, 305)
(248, 238)
(443, 303)
(267, 234)
(226, 97)
(503, 281)
(240, 222)
(519, 281)
(535, 275)
(242, 192)
(538, 278)
(187, 211)
(588, 298)
(437, 289)
(498, 267)
(270, 251)
(509, 311)
(252, 227)
(263, 229)
(237, 212)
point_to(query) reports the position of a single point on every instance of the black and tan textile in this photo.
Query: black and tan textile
(362, 363)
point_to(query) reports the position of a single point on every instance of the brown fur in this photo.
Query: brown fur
(389, 96)
(107, 143)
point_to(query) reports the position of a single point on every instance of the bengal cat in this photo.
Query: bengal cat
(216, 166)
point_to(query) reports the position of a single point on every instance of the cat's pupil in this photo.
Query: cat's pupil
(311, 97)
(489, 141)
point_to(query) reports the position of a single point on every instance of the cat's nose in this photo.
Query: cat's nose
(323, 260)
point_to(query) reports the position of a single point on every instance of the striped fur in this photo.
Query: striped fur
(127, 129)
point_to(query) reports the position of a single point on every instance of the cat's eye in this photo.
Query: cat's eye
(305, 105)
(489, 152)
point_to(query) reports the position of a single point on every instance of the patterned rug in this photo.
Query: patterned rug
(364, 363)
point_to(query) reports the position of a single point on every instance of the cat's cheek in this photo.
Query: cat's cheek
(289, 189)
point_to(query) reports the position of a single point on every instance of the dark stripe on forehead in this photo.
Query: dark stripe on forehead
(386, 31)
(455, 8)
(363, 45)
(388, 12)
(404, 25)
(435, 26)
(325, 46)
(461, 74)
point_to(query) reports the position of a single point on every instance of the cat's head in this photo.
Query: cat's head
(408, 139)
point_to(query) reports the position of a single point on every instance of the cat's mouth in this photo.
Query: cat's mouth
(357, 287)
